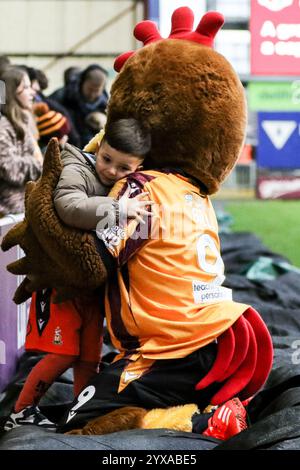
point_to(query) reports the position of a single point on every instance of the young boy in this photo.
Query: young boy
(86, 179)
(71, 332)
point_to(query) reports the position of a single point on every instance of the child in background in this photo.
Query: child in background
(71, 332)
(50, 123)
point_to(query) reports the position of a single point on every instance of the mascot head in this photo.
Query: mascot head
(187, 94)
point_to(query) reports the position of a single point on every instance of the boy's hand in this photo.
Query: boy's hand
(136, 207)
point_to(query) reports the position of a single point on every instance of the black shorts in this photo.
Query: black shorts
(168, 383)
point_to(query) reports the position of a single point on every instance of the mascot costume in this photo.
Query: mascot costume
(184, 343)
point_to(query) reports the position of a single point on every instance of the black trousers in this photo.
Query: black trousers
(168, 383)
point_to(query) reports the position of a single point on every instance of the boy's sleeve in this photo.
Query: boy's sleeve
(73, 205)
(124, 239)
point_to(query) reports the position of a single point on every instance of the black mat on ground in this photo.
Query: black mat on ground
(274, 412)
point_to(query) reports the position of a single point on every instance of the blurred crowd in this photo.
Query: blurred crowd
(29, 119)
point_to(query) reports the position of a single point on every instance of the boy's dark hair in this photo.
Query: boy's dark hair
(128, 136)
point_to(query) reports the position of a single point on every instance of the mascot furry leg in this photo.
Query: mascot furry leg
(178, 418)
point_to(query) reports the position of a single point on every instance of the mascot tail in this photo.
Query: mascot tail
(244, 359)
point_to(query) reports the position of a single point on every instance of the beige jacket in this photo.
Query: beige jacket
(79, 194)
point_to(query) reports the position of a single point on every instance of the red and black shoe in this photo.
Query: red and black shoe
(229, 419)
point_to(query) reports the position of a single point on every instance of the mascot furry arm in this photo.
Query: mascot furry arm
(193, 102)
(56, 255)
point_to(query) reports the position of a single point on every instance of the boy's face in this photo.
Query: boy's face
(113, 165)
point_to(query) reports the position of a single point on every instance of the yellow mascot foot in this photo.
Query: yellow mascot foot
(178, 418)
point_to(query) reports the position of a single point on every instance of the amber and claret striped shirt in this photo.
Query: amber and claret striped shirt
(166, 299)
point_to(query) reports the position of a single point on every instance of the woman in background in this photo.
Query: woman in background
(20, 156)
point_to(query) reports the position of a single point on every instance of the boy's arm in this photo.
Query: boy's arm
(73, 205)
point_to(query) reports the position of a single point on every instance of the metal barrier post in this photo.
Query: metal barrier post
(13, 318)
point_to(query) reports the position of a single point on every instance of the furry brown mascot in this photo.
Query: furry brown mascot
(193, 103)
